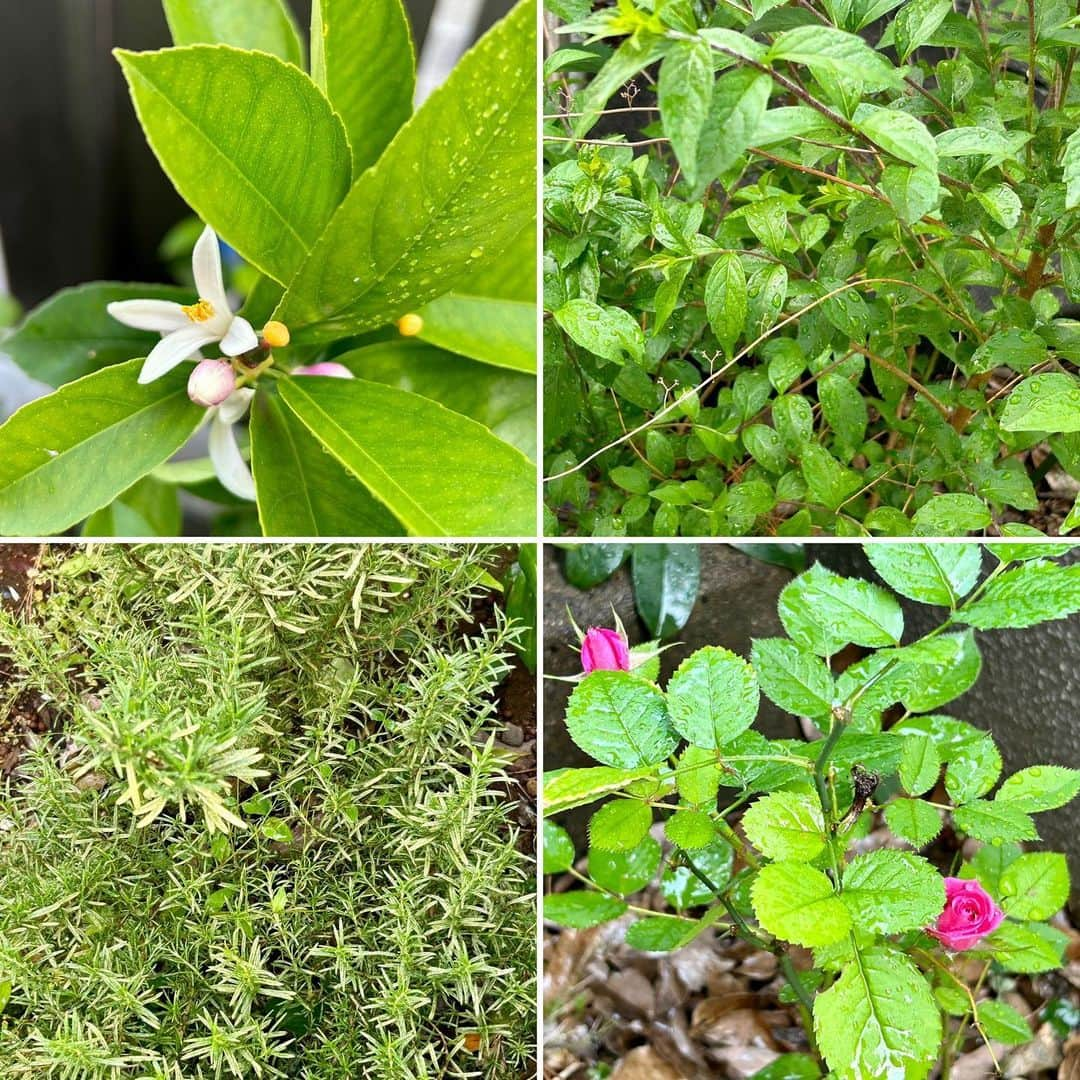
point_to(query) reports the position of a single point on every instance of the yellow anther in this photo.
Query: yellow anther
(410, 325)
(276, 335)
(203, 311)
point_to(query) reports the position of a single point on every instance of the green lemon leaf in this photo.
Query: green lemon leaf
(1026, 595)
(793, 677)
(797, 903)
(249, 143)
(559, 851)
(497, 332)
(1049, 402)
(503, 401)
(458, 183)
(570, 788)
(263, 25)
(786, 825)
(362, 58)
(824, 611)
(1040, 787)
(301, 489)
(930, 573)
(666, 579)
(439, 473)
(147, 508)
(878, 1019)
(68, 454)
(712, 697)
(889, 892)
(580, 910)
(1035, 886)
(620, 720)
(72, 335)
(913, 820)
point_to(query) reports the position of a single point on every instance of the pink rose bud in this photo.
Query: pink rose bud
(968, 917)
(211, 382)
(327, 367)
(604, 650)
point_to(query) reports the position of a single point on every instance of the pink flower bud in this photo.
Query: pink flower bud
(211, 382)
(604, 650)
(327, 367)
(970, 914)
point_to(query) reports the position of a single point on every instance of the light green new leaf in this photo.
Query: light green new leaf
(439, 473)
(362, 58)
(1026, 595)
(1026, 949)
(974, 767)
(609, 332)
(913, 820)
(913, 192)
(634, 55)
(797, 903)
(620, 720)
(888, 892)
(458, 183)
(503, 401)
(786, 825)
(1002, 204)
(685, 93)
(712, 697)
(825, 611)
(793, 677)
(264, 25)
(1039, 788)
(68, 454)
(690, 829)
(920, 764)
(497, 332)
(72, 335)
(901, 134)
(1035, 886)
(619, 825)
(570, 788)
(1049, 402)
(302, 490)
(951, 514)
(698, 775)
(725, 301)
(827, 480)
(994, 822)
(250, 144)
(930, 573)
(878, 1019)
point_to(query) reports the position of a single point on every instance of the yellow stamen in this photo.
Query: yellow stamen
(276, 335)
(410, 325)
(203, 311)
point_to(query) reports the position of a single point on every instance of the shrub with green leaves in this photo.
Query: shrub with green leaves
(271, 836)
(760, 836)
(378, 378)
(810, 267)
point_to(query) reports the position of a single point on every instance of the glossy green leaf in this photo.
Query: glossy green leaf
(920, 764)
(916, 22)
(1026, 595)
(666, 579)
(690, 829)
(250, 144)
(786, 825)
(1002, 1023)
(559, 851)
(994, 822)
(698, 775)
(725, 301)
(1024, 949)
(682, 888)
(503, 401)
(878, 1019)
(952, 514)
(888, 892)
(1040, 787)
(1035, 886)
(1071, 169)
(607, 332)
(913, 820)
(930, 573)
(685, 94)
(580, 910)
(620, 720)
(68, 454)
(620, 825)
(457, 184)
(836, 53)
(497, 332)
(973, 769)
(901, 134)
(362, 59)
(587, 565)
(797, 903)
(147, 508)
(913, 192)
(712, 697)
(793, 677)
(302, 490)
(263, 25)
(570, 788)
(1049, 402)
(439, 473)
(739, 101)
(625, 872)
(72, 335)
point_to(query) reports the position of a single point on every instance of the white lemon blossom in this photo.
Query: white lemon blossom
(188, 328)
(229, 464)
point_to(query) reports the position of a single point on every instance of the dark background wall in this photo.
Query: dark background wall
(81, 195)
(1026, 696)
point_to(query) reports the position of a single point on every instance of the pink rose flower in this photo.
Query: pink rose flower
(326, 367)
(604, 650)
(970, 914)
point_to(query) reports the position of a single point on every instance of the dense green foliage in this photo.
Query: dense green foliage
(882, 998)
(810, 268)
(272, 838)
